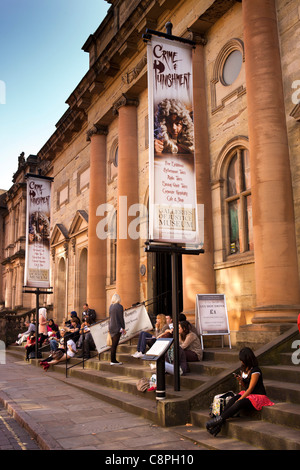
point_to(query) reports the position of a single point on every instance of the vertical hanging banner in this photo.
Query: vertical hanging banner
(173, 214)
(37, 259)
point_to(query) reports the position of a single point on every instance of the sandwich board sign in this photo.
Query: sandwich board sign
(211, 316)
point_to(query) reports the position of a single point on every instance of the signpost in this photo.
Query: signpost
(174, 225)
(37, 253)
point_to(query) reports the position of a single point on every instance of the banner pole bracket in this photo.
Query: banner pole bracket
(167, 35)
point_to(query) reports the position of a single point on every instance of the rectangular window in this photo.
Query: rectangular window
(63, 196)
(83, 179)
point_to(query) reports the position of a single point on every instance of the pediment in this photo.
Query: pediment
(59, 234)
(79, 223)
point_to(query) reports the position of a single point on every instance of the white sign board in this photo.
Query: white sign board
(136, 320)
(211, 315)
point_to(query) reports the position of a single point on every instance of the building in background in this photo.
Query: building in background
(246, 64)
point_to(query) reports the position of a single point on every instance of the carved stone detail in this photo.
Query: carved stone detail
(124, 100)
(96, 130)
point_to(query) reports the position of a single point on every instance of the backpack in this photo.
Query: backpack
(219, 403)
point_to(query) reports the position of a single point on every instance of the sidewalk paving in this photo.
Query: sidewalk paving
(60, 417)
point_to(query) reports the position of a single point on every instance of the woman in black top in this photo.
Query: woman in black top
(253, 397)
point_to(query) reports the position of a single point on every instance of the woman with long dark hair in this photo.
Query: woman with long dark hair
(253, 397)
(189, 342)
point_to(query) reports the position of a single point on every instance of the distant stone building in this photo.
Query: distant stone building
(246, 118)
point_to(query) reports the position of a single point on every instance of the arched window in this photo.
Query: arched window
(228, 76)
(61, 291)
(238, 202)
(113, 161)
(83, 276)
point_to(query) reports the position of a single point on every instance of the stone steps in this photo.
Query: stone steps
(276, 427)
(260, 433)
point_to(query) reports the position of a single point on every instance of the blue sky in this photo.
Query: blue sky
(41, 62)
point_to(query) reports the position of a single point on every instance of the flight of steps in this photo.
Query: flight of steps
(276, 427)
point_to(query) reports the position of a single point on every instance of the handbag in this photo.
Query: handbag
(143, 384)
(58, 354)
(219, 402)
(108, 339)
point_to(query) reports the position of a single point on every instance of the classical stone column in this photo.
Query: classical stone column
(19, 286)
(8, 290)
(96, 266)
(198, 271)
(127, 282)
(276, 270)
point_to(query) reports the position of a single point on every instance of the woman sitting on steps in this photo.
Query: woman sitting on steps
(146, 338)
(253, 397)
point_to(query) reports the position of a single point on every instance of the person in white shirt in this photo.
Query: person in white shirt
(23, 336)
(61, 354)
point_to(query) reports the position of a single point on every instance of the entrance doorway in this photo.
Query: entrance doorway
(161, 281)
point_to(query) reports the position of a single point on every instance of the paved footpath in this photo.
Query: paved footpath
(60, 417)
(12, 435)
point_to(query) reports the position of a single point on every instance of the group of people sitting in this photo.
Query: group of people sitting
(64, 342)
(189, 343)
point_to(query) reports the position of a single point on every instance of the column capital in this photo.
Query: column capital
(96, 130)
(196, 37)
(124, 100)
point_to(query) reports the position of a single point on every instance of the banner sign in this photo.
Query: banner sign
(136, 320)
(172, 187)
(211, 315)
(37, 259)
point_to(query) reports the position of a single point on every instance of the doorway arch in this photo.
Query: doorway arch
(61, 291)
(82, 288)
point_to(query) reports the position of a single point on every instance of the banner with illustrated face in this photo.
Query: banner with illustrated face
(37, 260)
(172, 187)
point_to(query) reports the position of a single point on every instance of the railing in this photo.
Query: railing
(146, 303)
(13, 323)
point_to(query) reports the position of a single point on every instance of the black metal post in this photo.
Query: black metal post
(37, 293)
(66, 350)
(160, 378)
(169, 28)
(175, 318)
(175, 251)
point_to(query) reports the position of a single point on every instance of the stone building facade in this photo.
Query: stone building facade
(246, 66)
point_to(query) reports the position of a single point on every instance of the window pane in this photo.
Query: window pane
(246, 169)
(114, 165)
(249, 223)
(232, 177)
(232, 67)
(233, 208)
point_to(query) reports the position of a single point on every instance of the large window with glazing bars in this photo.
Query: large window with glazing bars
(239, 203)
